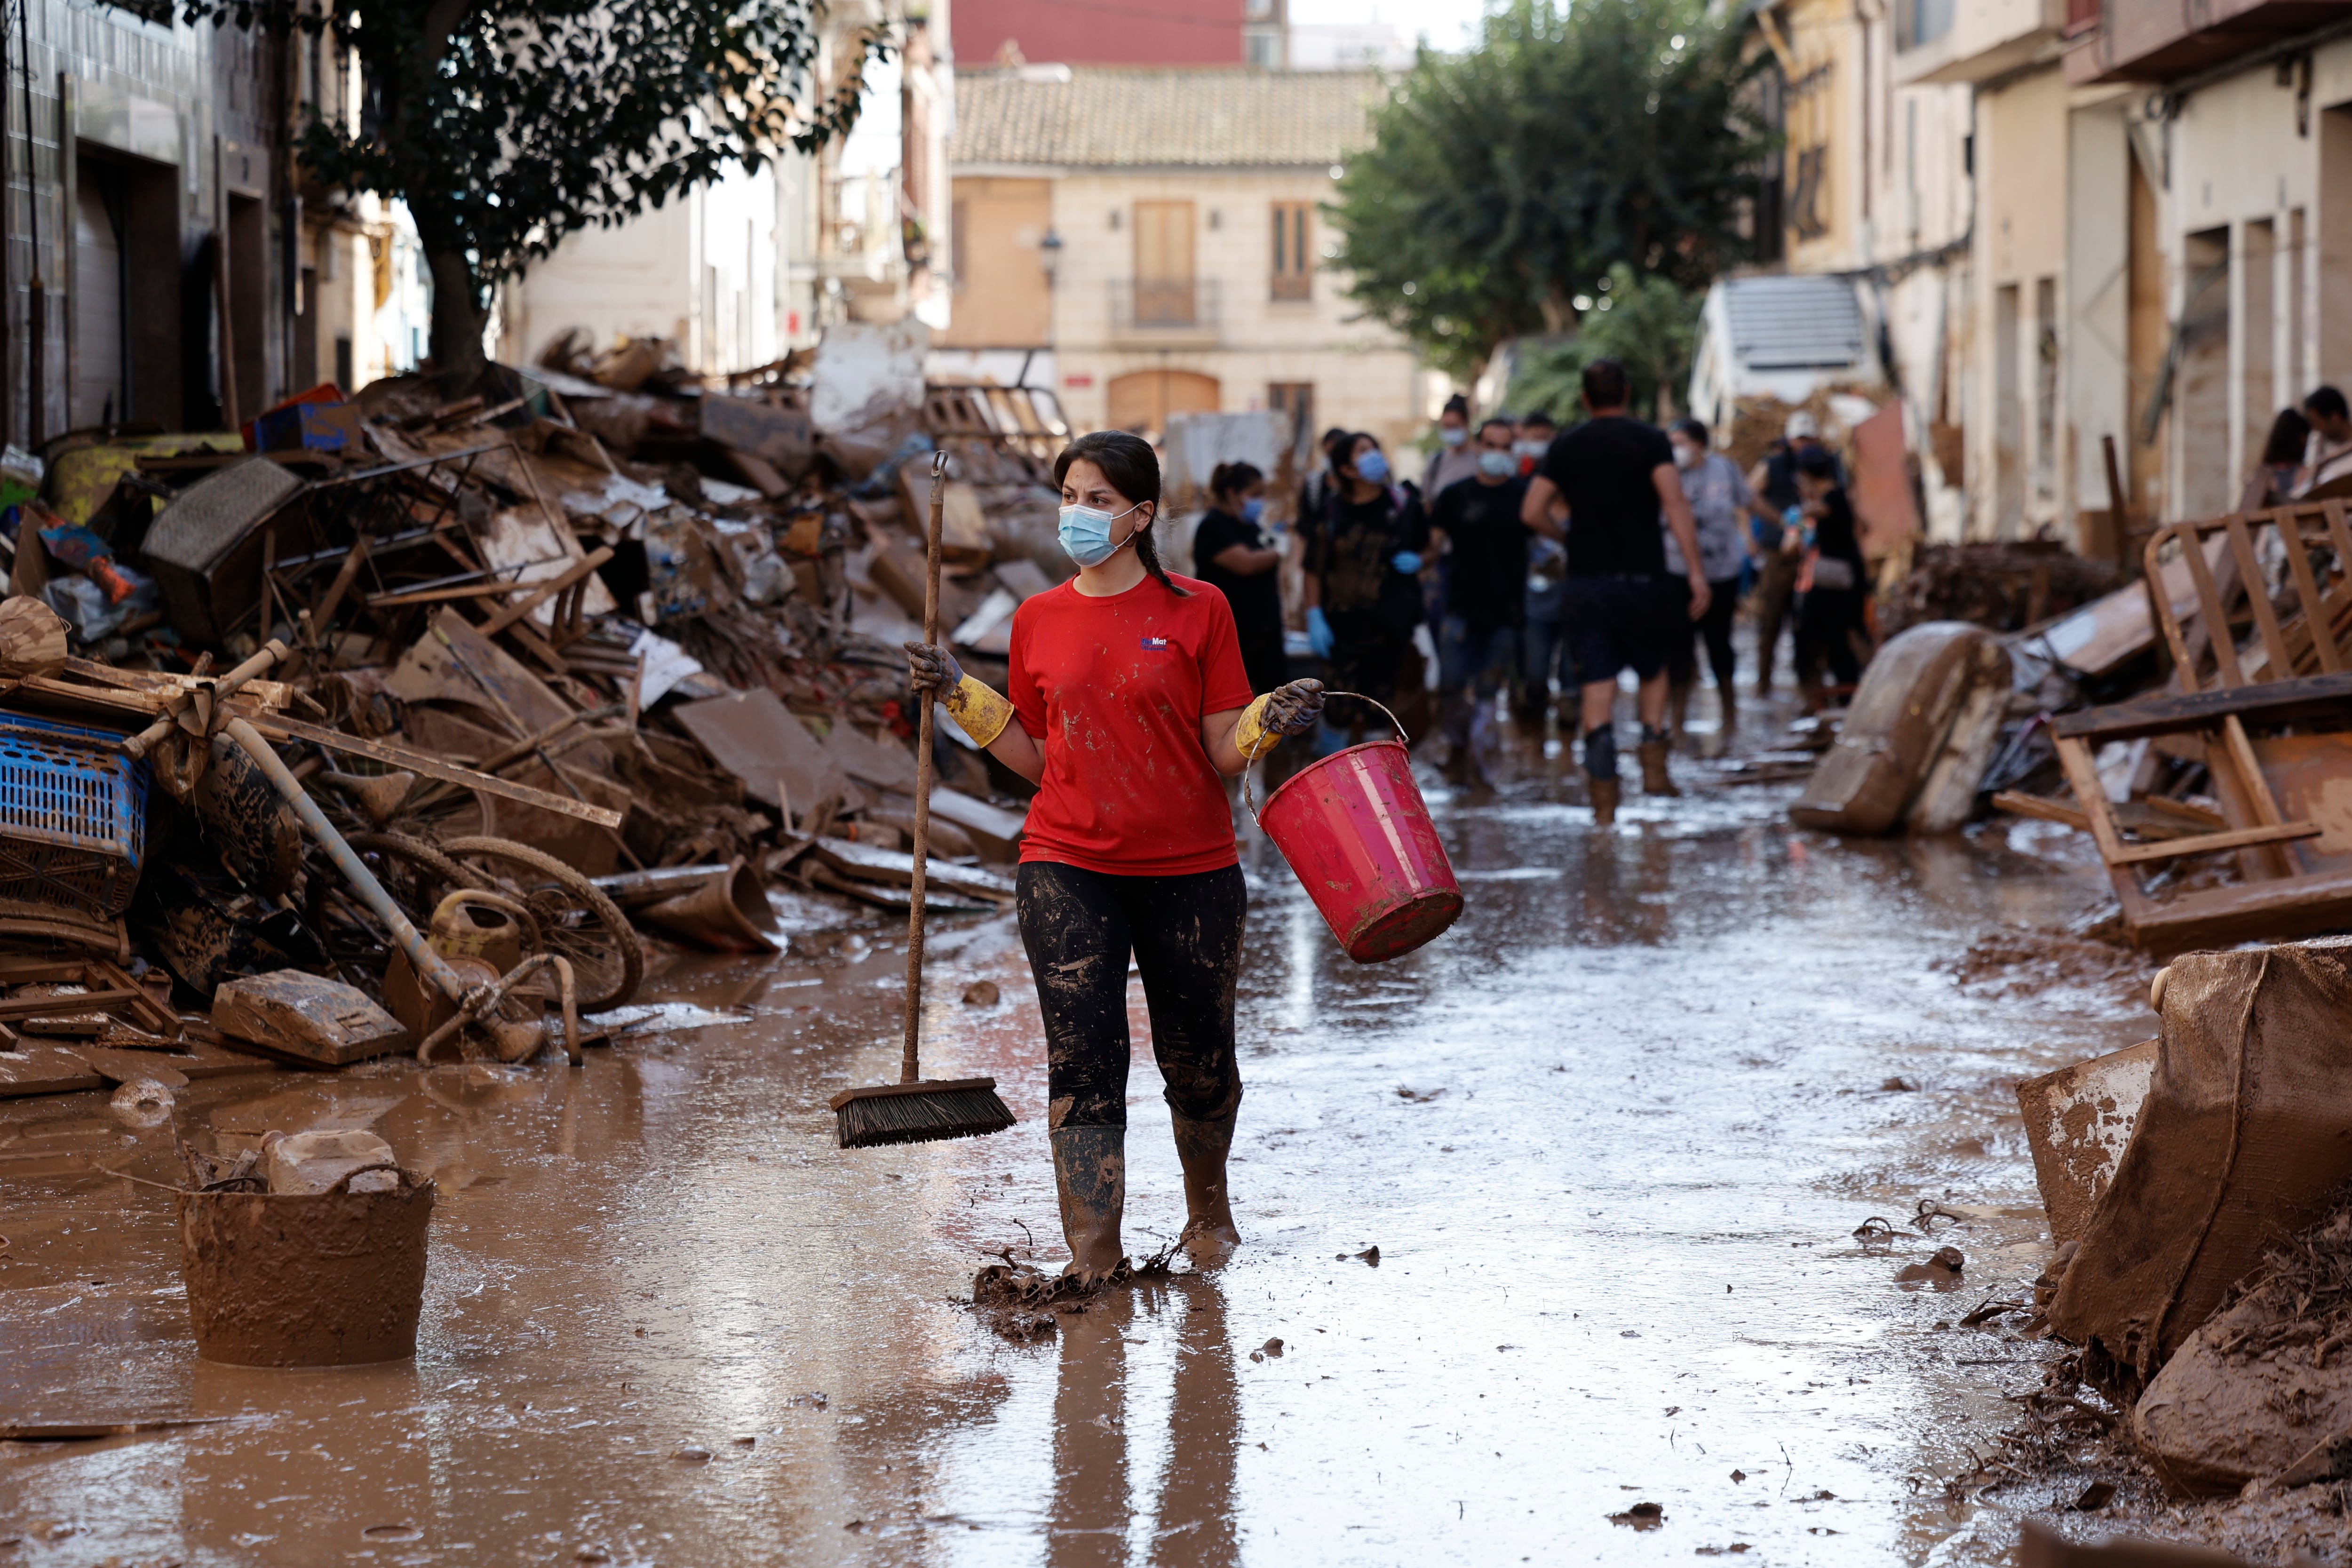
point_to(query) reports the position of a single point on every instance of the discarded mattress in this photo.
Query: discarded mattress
(1916, 741)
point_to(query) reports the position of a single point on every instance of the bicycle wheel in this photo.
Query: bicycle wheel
(581, 923)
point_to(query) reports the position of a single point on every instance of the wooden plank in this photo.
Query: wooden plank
(2083, 776)
(2273, 911)
(439, 596)
(2315, 604)
(277, 727)
(2216, 620)
(2160, 605)
(2242, 753)
(2018, 804)
(2214, 843)
(2272, 701)
(2267, 622)
(576, 573)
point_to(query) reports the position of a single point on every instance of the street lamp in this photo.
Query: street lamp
(1049, 253)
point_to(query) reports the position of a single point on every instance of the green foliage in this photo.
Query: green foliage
(1650, 327)
(505, 125)
(1504, 182)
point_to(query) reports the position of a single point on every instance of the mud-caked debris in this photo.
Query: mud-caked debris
(1641, 1516)
(981, 993)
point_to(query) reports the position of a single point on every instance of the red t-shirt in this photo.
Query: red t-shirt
(1114, 692)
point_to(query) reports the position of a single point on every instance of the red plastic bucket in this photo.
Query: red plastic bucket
(1355, 830)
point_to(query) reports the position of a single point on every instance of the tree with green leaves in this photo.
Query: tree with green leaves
(1503, 184)
(1649, 325)
(505, 125)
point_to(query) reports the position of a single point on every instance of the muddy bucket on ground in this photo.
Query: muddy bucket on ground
(332, 1279)
(1355, 830)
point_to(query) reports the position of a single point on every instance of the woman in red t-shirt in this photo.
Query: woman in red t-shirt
(1132, 699)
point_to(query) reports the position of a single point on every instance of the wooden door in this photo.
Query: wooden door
(1163, 264)
(1144, 399)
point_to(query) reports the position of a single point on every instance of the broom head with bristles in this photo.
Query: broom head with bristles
(920, 1112)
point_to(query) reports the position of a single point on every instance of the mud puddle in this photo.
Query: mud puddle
(1551, 1221)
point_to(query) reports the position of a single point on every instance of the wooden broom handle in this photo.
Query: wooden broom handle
(910, 1069)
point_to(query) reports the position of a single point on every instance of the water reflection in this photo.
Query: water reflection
(1101, 1505)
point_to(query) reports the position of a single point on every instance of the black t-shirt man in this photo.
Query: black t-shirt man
(1486, 576)
(1256, 599)
(1603, 471)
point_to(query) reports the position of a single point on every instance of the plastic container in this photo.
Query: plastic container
(1357, 835)
(331, 1279)
(73, 816)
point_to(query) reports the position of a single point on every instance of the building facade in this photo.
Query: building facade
(1150, 242)
(741, 270)
(165, 263)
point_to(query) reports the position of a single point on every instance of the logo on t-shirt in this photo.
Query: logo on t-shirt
(1155, 645)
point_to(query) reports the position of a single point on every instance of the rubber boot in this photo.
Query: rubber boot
(1605, 793)
(1727, 725)
(1678, 696)
(1090, 1177)
(1209, 1233)
(1655, 780)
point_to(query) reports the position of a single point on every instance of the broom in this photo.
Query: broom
(914, 1111)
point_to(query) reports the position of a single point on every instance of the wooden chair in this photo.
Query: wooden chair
(2271, 717)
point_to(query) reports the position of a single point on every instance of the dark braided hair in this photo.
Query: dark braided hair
(1133, 471)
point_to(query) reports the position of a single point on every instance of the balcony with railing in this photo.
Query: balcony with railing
(1169, 311)
(1944, 41)
(2164, 41)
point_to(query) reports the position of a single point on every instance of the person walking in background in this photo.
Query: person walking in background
(1720, 504)
(1233, 554)
(1316, 488)
(1454, 460)
(1364, 589)
(1615, 475)
(1537, 431)
(2328, 454)
(2274, 480)
(1486, 597)
(1773, 482)
(1829, 550)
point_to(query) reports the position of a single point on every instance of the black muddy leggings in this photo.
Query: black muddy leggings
(1186, 935)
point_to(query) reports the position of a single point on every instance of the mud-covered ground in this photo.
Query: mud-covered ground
(1612, 1136)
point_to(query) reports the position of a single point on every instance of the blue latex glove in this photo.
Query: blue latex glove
(1319, 632)
(1406, 562)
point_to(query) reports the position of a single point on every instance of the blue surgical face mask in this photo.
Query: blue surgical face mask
(1086, 534)
(1373, 467)
(1498, 465)
(1450, 436)
(1252, 509)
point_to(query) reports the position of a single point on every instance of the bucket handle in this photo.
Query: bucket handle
(1262, 751)
(408, 1184)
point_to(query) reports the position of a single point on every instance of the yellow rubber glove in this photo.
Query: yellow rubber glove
(979, 712)
(1286, 710)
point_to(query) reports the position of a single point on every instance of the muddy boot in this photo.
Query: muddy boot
(1727, 725)
(1090, 1177)
(1209, 1233)
(1678, 696)
(1605, 793)
(1655, 780)
(1600, 774)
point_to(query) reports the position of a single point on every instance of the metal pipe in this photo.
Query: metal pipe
(514, 1041)
(427, 964)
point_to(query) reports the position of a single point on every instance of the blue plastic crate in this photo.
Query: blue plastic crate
(73, 816)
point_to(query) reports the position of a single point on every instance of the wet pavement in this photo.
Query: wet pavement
(1611, 1136)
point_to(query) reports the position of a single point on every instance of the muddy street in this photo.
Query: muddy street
(1547, 1221)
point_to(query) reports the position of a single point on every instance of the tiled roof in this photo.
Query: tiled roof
(1116, 116)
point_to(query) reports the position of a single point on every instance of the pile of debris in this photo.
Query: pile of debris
(2008, 587)
(2194, 724)
(386, 723)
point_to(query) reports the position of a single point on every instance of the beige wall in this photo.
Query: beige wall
(1363, 376)
(1001, 300)
(2018, 424)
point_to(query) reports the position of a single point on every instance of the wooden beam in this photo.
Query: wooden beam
(2271, 702)
(576, 573)
(2214, 843)
(275, 727)
(2017, 803)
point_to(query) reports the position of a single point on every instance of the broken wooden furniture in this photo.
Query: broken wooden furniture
(1916, 738)
(2267, 717)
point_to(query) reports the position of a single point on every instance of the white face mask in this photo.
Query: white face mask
(1685, 453)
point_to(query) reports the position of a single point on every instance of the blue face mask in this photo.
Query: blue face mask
(1448, 436)
(1372, 467)
(1252, 509)
(1498, 465)
(1086, 534)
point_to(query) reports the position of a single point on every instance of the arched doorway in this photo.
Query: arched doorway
(1144, 399)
